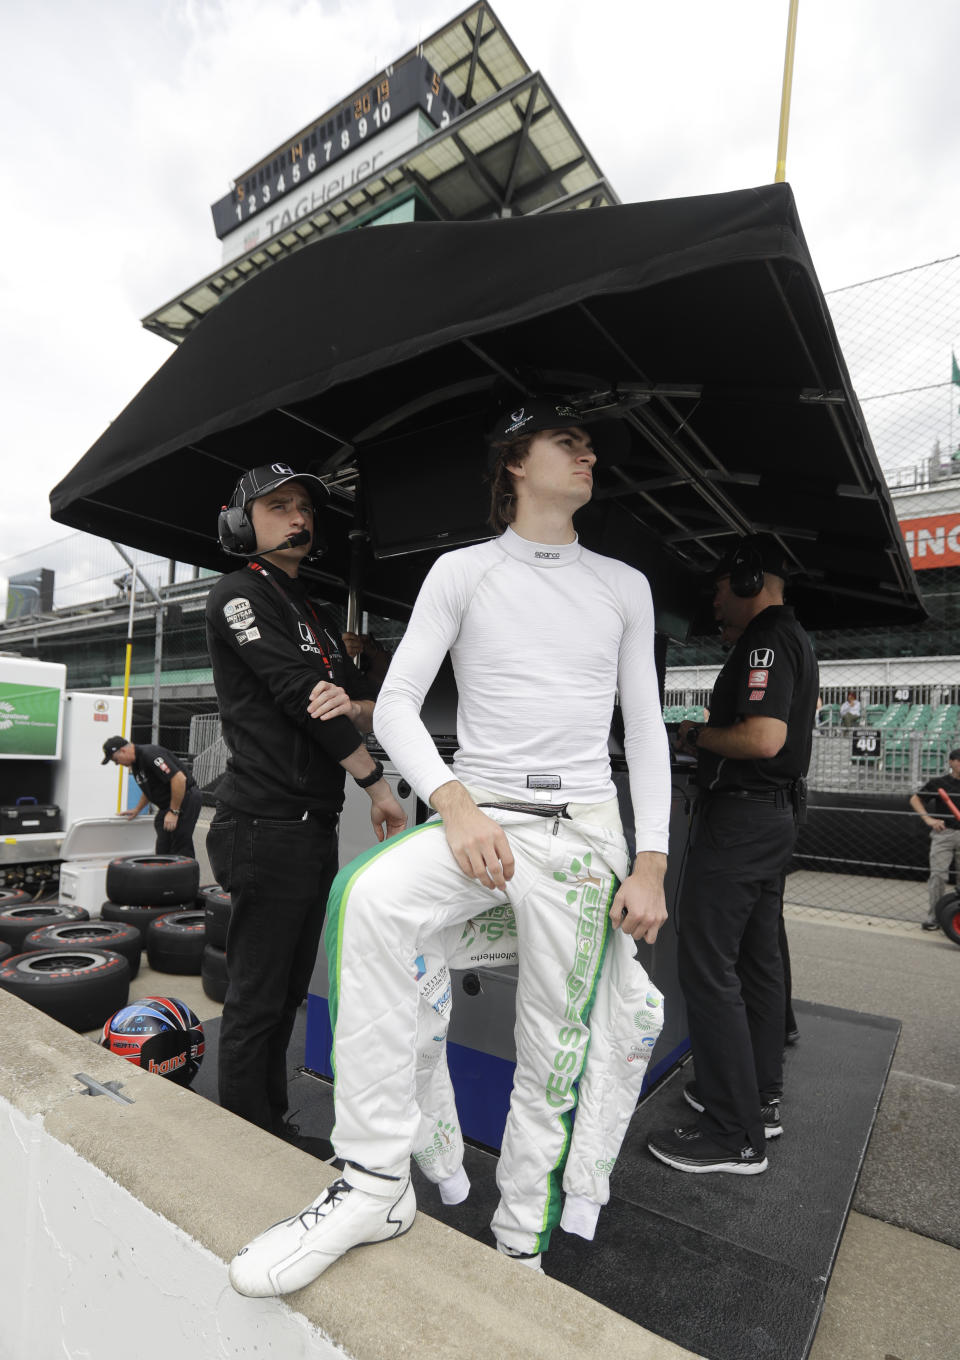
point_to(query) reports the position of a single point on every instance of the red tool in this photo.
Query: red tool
(949, 802)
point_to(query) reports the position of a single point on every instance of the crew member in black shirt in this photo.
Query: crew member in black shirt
(292, 710)
(164, 782)
(751, 760)
(944, 832)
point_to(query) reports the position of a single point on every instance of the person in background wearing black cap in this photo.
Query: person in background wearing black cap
(944, 832)
(752, 757)
(542, 633)
(164, 782)
(273, 841)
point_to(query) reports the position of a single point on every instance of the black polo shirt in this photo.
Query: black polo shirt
(771, 672)
(934, 804)
(153, 770)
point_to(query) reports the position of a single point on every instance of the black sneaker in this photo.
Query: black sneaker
(929, 925)
(770, 1110)
(690, 1149)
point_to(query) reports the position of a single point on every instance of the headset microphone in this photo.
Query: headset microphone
(294, 541)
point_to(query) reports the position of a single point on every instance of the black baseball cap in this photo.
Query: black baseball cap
(259, 480)
(111, 745)
(771, 554)
(556, 413)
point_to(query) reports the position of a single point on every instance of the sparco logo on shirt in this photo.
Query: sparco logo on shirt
(553, 557)
(761, 656)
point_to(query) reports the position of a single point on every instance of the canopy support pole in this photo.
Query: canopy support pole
(781, 173)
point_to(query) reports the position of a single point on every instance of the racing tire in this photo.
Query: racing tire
(141, 918)
(80, 988)
(948, 914)
(112, 935)
(5, 951)
(16, 922)
(217, 907)
(139, 880)
(175, 942)
(13, 897)
(213, 972)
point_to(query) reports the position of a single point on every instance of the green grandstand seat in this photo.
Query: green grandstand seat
(933, 756)
(896, 754)
(694, 713)
(830, 715)
(875, 712)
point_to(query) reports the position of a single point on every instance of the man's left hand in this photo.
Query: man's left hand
(170, 820)
(330, 701)
(639, 908)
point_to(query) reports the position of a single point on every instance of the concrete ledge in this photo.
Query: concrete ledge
(130, 1213)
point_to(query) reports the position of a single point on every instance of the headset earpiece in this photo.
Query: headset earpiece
(236, 532)
(746, 572)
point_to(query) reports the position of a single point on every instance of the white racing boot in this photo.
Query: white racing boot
(297, 1250)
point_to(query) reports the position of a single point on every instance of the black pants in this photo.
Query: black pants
(729, 961)
(278, 874)
(179, 841)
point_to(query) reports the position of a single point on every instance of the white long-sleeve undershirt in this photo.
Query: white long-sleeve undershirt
(541, 638)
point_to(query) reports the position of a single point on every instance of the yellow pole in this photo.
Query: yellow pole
(126, 686)
(781, 174)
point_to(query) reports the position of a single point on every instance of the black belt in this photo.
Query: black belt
(778, 797)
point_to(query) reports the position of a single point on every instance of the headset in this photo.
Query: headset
(746, 570)
(239, 538)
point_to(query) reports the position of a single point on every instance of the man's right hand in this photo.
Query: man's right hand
(937, 825)
(476, 841)
(130, 813)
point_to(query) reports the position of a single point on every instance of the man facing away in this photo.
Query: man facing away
(751, 760)
(542, 635)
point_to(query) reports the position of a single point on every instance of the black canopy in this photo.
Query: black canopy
(378, 357)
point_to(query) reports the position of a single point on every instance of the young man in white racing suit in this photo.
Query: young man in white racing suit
(542, 634)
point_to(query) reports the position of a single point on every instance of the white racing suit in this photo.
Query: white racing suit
(587, 1015)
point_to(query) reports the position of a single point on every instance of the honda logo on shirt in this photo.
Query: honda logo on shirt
(305, 632)
(761, 657)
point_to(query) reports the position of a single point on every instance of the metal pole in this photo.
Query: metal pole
(126, 685)
(157, 668)
(781, 173)
(357, 539)
(135, 574)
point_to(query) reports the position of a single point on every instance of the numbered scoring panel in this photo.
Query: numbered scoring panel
(866, 744)
(393, 94)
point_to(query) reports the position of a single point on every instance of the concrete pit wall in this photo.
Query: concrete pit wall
(118, 1221)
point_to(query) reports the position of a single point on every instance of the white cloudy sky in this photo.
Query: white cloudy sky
(123, 120)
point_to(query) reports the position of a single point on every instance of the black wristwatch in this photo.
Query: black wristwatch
(692, 736)
(370, 779)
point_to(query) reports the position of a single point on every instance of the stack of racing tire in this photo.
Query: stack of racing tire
(52, 957)
(213, 967)
(158, 896)
(78, 971)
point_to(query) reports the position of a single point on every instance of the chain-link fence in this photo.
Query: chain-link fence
(899, 334)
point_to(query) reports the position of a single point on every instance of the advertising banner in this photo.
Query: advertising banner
(31, 704)
(933, 541)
